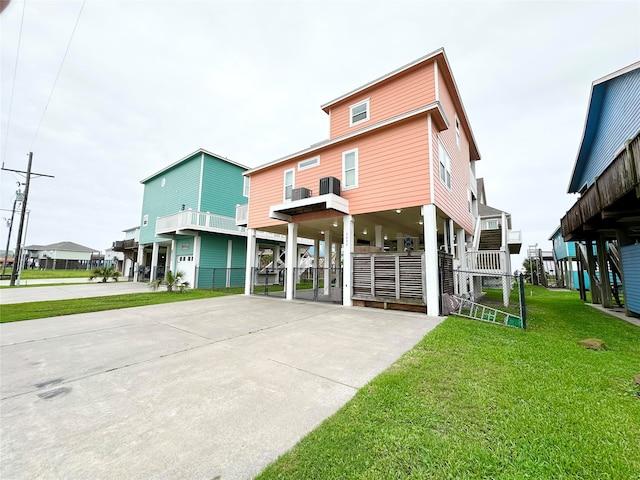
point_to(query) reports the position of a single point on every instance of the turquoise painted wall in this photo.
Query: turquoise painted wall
(165, 194)
(222, 184)
(213, 255)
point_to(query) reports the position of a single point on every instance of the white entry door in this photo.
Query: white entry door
(186, 264)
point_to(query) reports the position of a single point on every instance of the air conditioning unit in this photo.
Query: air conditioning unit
(300, 193)
(329, 185)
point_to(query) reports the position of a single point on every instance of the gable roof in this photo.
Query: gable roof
(596, 97)
(63, 246)
(440, 56)
(190, 156)
(487, 211)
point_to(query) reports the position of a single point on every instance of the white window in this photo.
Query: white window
(359, 113)
(308, 163)
(145, 220)
(245, 186)
(445, 166)
(493, 225)
(289, 179)
(458, 132)
(350, 169)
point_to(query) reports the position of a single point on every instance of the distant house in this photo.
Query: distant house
(606, 175)
(129, 249)
(188, 222)
(392, 192)
(61, 256)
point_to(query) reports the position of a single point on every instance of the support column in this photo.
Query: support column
(229, 258)
(432, 278)
(154, 261)
(197, 240)
(347, 274)
(291, 260)
(251, 259)
(316, 262)
(461, 240)
(327, 262)
(379, 237)
(603, 267)
(171, 264)
(167, 258)
(591, 266)
(138, 262)
(451, 240)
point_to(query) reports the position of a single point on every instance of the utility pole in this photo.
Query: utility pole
(6, 251)
(17, 260)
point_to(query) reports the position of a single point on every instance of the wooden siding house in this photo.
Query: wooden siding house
(389, 193)
(188, 222)
(606, 175)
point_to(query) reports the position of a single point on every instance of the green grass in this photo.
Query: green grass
(53, 308)
(28, 274)
(475, 400)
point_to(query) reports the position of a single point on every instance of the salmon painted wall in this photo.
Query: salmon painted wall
(393, 172)
(402, 93)
(452, 202)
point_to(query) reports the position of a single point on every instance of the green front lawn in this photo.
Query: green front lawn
(28, 274)
(474, 400)
(54, 308)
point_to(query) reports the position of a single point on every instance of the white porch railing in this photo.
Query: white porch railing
(201, 221)
(515, 236)
(494, 261)
(242, 214)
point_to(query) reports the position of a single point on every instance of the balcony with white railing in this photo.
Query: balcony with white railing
(197, 221)
(242, 214)
(487, 261)
(514, 240)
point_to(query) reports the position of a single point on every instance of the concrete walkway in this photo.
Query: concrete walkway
(214, 388)
(67, 292)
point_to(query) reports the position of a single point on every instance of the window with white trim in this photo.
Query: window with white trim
(493, 225)
(145, 220)
(350, 169)
(359, 113)
(458, 132)
(308, 163)
(289, 179)
(245, 186)
(445, 166)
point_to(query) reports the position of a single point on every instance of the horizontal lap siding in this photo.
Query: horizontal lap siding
(402, 93)
(452, 202)
(393, 172)
(181, 186)
(222, 184)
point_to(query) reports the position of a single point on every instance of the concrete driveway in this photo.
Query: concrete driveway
(214, 388)
(67, 292)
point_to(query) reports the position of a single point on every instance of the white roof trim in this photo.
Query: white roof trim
(384, 77)
(375, 126)
(200, 150)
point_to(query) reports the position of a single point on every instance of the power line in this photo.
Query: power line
(13, 86)
(57, 76)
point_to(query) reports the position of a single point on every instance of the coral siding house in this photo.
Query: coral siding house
(403, 152)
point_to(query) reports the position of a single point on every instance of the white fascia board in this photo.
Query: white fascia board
(347, 136)
(331, 201)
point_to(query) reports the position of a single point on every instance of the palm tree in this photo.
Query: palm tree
(171, 280)
(105, 272)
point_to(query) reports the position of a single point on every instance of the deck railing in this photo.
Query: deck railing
(242, 214)
(201, 221)
(493, 261)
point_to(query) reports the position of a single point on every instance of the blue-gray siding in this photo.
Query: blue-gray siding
(613, 118)
(631, 270)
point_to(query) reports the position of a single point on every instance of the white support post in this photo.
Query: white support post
(154, 260)
(229, 257)
(197, 240)
(251, 259)
(327, 263)
(347, 274)
(291, 260)
(170, 256)
(316, 262)
(451, 231)
(431, 260)
(379, 237)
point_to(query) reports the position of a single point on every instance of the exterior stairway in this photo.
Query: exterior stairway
(490, 240)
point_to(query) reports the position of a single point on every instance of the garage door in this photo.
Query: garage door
(186, 264)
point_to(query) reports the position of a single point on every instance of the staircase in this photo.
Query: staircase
(490, 240)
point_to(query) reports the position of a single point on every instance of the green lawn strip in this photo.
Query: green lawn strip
(28, 274)
(53, 308)
(475, 400)
(35, 285)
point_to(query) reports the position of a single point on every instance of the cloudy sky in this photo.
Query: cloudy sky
(144, 83)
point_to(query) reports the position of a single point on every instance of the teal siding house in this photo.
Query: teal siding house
(188, 222)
